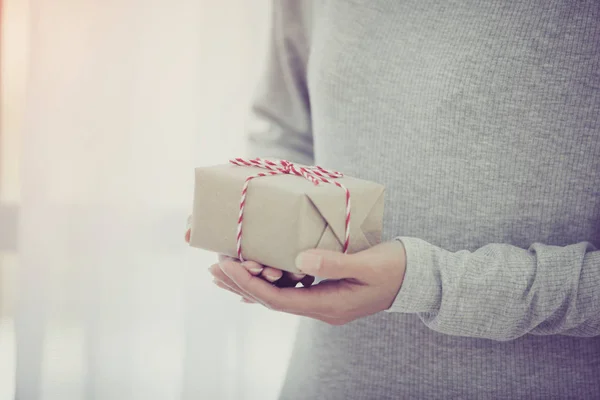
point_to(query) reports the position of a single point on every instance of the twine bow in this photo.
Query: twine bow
(315, 174)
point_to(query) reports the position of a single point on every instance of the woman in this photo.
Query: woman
(482, 119)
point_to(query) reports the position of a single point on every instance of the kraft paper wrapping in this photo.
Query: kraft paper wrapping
(284, 215)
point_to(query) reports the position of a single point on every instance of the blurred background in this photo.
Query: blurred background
(106, 108)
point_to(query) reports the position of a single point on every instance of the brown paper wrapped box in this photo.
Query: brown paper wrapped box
(284, 214)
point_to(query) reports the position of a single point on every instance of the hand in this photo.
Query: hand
(356, 285)
(272, 275)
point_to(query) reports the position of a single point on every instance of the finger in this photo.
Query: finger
(331, 264)
(219, 275)
(295, 277)
(253, 267)
(271, 274)
(223, 285)
(188, 228)
(319, 299)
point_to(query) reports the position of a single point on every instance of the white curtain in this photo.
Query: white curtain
(125, 98)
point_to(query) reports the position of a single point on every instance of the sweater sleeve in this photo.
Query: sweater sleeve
(502, 292)
(280, 116)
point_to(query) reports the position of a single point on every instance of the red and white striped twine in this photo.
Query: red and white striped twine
(315, 174)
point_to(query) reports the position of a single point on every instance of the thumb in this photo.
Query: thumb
(329, 264)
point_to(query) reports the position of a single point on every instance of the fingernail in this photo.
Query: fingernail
(272, 278)
(309, 262)
(252, 267)
(247, 301)
(297, 277)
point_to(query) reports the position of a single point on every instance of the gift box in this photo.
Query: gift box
(269, 211)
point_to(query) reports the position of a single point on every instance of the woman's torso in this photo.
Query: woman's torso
(483, 121)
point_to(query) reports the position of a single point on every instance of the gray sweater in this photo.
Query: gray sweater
(482, 119)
